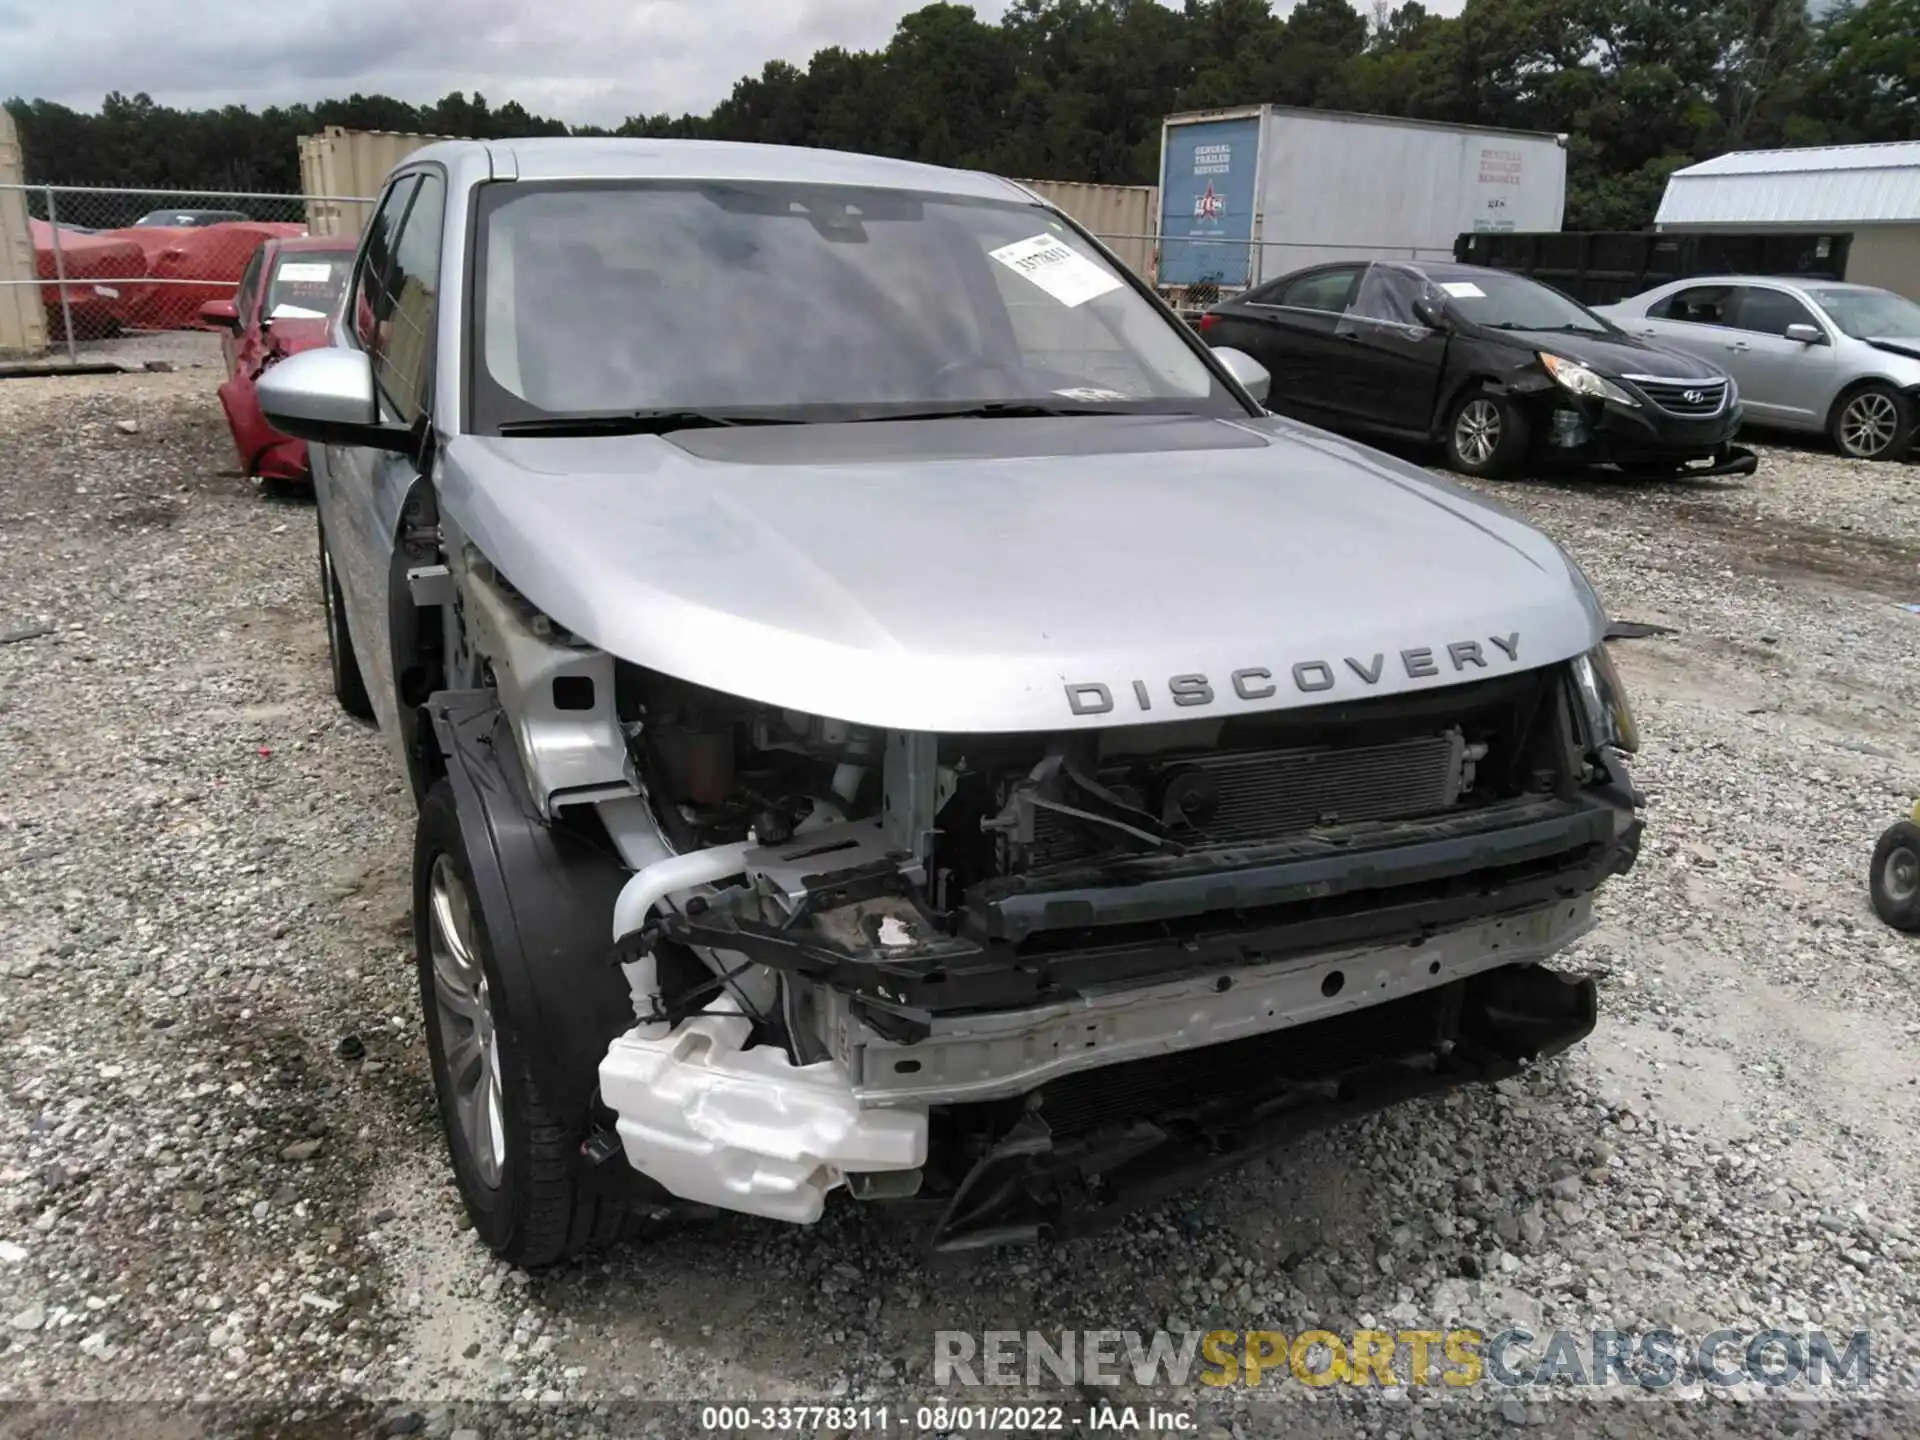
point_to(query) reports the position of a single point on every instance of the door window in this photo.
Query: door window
(1698, 305)
(1389, 295)
(375, 257)
(1327, 290)
(249, 289)
(397, 289)
(1770, 312)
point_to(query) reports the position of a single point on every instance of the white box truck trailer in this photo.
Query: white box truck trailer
(1259, 190)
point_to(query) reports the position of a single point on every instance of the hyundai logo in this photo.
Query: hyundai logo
(1694, 397)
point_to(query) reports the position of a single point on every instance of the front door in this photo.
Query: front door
(1782, 381)
(390, 314)
(243, 348)
(1697, 321)
(1392, 358)
(238, 344)
(1291, 332)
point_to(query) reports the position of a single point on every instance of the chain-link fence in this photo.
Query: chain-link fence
(1193, 272)
(110, 261)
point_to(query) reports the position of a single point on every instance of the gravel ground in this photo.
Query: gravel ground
(221, 1177)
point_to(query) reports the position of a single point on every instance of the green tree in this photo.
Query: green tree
(1870, 55)
(1077, 89)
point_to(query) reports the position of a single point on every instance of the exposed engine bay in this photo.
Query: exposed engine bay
(1027, 980)
(882, 959)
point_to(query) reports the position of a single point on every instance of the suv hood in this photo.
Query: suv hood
(1019, 575)
(1616, 355)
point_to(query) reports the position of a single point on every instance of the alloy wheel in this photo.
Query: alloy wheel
(1476, 433)
(463, 1010)
(1869, 424)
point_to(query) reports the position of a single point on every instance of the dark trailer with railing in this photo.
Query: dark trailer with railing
(1600, 267)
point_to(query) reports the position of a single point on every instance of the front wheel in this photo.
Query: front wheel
(1895, 879)
(1875, 422)
(1487, 436)
(514, 1160)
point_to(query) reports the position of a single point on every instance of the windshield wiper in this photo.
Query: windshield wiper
(1548, 329)
(636, 422)
(996, 410)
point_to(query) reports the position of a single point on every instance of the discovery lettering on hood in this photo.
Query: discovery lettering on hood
(1308, 676)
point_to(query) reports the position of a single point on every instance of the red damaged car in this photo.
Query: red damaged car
(193, 265)
(103, 275)
(286, 294)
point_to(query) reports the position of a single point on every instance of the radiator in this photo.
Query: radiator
(1252, 796)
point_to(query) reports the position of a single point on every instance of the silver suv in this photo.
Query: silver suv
(889, 711)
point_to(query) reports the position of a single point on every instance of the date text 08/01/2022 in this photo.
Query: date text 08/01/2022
(942, 1418)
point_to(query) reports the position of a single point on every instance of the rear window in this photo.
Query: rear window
(305, 284)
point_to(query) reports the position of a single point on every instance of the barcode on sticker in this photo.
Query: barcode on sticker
(1057, 268)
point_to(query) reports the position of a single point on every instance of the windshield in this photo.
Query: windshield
(1871, 314)
(1513, 302)
(808, 303)
(305, 283)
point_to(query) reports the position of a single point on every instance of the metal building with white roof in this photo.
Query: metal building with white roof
(1872, 191)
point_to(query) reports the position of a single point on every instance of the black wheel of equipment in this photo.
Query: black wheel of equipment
(1895, 879)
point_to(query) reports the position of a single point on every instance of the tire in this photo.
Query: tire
(1874, 422)
(1487, 436)
(348, 688)
(1895, 879)
(514, 1162)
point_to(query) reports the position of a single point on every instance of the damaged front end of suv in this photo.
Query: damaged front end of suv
(1032, 980)
(952, 745)
(1028, 980)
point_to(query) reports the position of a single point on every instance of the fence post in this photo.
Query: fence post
(60, 276)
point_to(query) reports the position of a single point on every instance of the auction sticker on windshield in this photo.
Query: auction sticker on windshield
(296, 272)
(1464, 290)
(1057, 268)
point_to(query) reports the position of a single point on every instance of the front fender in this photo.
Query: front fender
(248, 426)
(546, 894)
(1520, 383)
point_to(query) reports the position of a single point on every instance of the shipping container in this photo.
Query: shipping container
(1121, 216)
(1600, 267)
(1259, 190)
(339, 166)
(23, 320)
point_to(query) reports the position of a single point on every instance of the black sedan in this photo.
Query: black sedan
(1498, 368)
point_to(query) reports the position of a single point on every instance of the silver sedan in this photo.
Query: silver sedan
(1810, 355)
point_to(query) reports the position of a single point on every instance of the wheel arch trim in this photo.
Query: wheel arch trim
(545, 898)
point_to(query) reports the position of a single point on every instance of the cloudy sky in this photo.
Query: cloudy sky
(585, 61)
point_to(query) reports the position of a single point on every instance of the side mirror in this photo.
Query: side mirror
(327, 397)
(220, 315)
(1251, 374)
(1430, 313)
(1807, 334)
